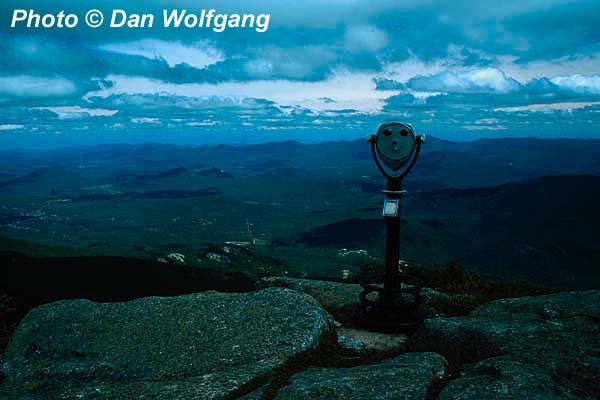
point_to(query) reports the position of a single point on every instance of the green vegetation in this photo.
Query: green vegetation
(298, 209)
(7, 320)
(470, 289)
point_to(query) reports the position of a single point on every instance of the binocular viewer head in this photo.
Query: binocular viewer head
(395, 143)
(395, 146)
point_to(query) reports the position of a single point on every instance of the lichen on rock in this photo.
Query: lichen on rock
(407, 376)
(529, 347)
(207, 345)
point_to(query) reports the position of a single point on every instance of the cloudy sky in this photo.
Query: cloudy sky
(323, 70)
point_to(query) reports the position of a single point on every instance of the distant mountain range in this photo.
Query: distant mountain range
(484, 162)
(526, 207)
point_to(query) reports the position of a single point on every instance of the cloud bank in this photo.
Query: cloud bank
(333, 69)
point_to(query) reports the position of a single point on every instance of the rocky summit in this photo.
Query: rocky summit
(203, 346)
(407, 376)
(278, 343)
(542, 347)
(339, 299)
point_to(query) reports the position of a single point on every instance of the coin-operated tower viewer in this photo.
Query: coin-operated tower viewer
(395, 149)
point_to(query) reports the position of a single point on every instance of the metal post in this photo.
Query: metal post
(392, 282)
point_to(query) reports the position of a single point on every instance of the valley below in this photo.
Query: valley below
(504, 207)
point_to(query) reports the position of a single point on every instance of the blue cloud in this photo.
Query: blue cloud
(446, 65)
(488, 80)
